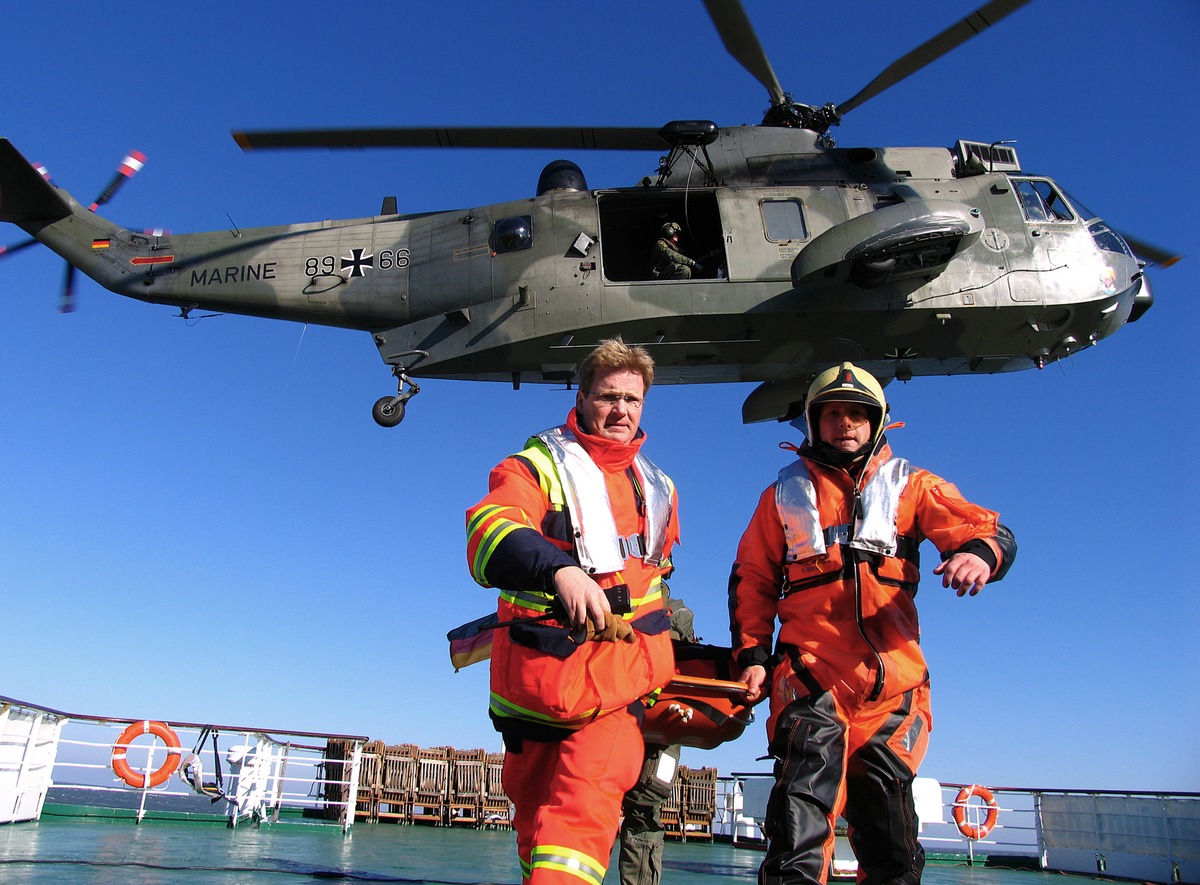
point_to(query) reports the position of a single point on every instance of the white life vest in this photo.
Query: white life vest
(598, 547)
(874, 532)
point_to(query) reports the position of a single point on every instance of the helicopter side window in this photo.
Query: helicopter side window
(1041, 201)
(1031, 202)
(783, 220)
(1055, 204)
(511, 234)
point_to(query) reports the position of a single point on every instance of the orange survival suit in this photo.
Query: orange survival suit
(570, 712)
(831, 551)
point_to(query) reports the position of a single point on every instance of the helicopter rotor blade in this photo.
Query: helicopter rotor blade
(17, 247)
(742, 43)
(130, 166)
(630, 138)
(1153, 254)
(931, 50)
(66, 298)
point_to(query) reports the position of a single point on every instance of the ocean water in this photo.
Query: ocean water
(66, 851)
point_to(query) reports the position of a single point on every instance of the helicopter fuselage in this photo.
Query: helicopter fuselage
(909, 261)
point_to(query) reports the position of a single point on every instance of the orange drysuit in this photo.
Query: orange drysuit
(570, 713)
(832, 552)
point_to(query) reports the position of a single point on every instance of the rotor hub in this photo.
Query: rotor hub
(794, 115)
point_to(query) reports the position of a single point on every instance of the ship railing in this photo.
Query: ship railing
(1144, 836)
(257, 773)
(1013, 834)
(1148, 836)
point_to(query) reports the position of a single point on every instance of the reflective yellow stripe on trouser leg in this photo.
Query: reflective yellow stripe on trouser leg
(566, 860)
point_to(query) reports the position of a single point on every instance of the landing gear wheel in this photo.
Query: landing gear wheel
(388, 411)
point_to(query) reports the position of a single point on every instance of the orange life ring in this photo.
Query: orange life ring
(160, 730)
(960, 811)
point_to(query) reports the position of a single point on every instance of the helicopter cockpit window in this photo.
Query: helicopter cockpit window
(1041, 201)
(1108, 239)
(512, 234)
(1084, 212)
(783, 220)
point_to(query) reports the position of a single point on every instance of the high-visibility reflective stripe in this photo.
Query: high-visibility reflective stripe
(490, 537)
(480, 515)
(567, 860)
(547, 476)
(531, 599)
(653, 594)
(506, 708)
(477, 534)
(487, 547)
(539, 602)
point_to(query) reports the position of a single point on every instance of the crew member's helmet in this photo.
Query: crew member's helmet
(846, 383)
(670, 230)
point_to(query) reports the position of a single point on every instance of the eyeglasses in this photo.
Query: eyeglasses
(611, 399)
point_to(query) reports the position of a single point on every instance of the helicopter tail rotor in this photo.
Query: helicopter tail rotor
(129, 167)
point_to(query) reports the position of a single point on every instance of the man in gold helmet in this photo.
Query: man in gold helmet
(831, 552)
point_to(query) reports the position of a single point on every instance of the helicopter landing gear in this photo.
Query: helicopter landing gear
(388, 411)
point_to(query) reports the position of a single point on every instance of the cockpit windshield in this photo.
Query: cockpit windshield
(1084, 212)
(1107, 239)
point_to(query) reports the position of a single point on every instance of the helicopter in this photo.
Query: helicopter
(909, 261)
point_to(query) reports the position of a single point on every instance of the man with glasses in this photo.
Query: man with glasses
(576, 533)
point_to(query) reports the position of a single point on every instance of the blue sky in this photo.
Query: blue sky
(201, 521)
